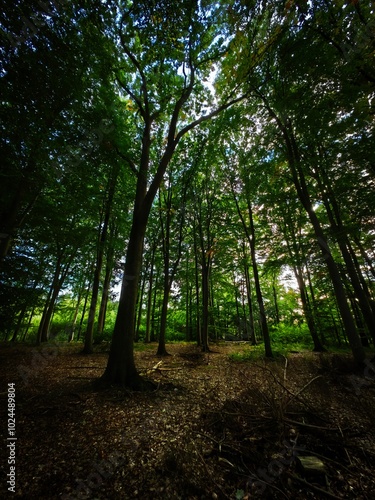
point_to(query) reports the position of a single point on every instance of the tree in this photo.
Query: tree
(171, 215)
(164, 52)
(47, 84)
(102, 241)
(269, 85)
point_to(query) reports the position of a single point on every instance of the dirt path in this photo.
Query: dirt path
(214, 428)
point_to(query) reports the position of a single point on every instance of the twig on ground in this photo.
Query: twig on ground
(346, 451)
(271, 486)
(285, 367)
(210, 475)
(310, 426)
(313, 487)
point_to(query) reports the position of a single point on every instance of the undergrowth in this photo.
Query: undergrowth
(253, 353)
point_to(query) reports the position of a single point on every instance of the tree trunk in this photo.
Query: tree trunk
(205, 302)
(274, 293)
(214, 318)
(361, 277)
(153, 314)
(49, 305)
(205, 280)
(262, 311)
(149, 295)
(88, 347)
(84, 310)
(105, 295)
(19, 323)
(313, 306)
(121, 369)
(238, 316)
(28, 324)
(249, 297)
(306, 306)
(56, 288)
(341, 298)
(162, 351)
(139, 309)
(335, 219)
(167, 280)
(197, 291)
(187, 301)
(250, 234)
(75, 316)
(299, 180)
(369, 261)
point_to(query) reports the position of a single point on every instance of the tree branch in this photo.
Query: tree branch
(129, 161)
(137, 65)
(205, 118)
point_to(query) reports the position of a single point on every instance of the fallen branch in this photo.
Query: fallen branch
(302, 424)
(306, 385)
(292, 394)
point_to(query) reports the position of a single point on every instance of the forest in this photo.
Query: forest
(188, 193)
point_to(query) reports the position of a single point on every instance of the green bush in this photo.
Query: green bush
(291, 334)
(175, 336)
(284, 339)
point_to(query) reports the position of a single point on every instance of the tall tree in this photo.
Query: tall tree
(165, 52)
(100, 251)
(172, 219)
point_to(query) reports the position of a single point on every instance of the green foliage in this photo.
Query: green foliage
(287, 335)
(285, 338)
(175, 336)
(142, 347)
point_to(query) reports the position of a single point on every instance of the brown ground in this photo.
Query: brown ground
(213, 428)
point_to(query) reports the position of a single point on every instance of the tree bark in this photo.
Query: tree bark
(75, 316)
(140, 309)
(249, 297)
(162, 351)
(121, 369)
(197, 290)
(262, 311)
(205, 301)
(149, 295)
(84, 310)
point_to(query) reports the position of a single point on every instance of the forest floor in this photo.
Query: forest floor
(213, 428)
